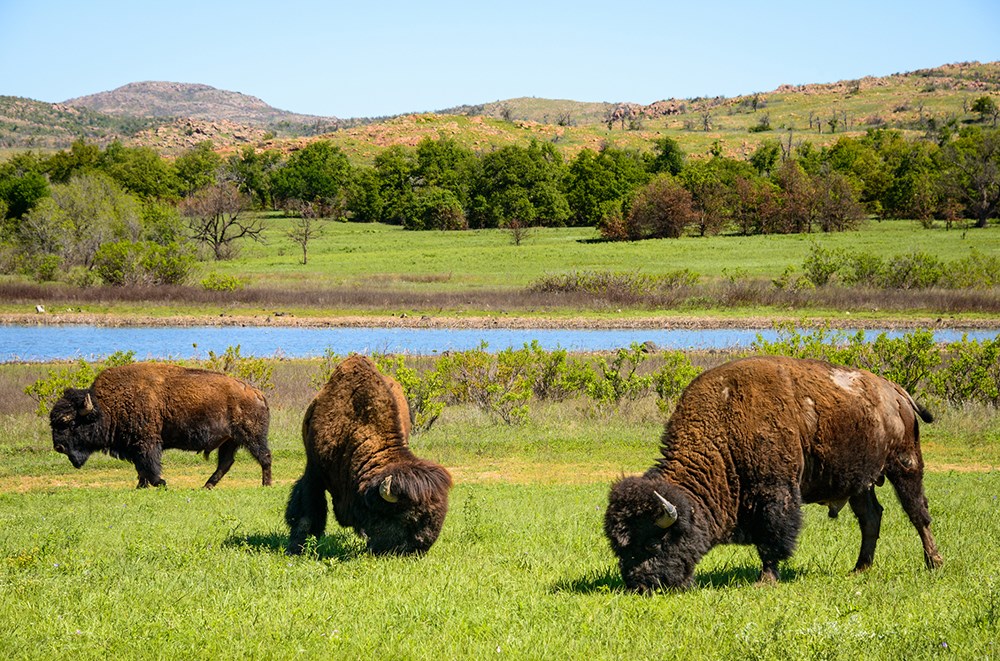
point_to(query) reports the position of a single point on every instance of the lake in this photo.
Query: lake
(45, 343)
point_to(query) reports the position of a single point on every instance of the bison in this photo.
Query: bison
(748, 443)
(355, 433)
(135, 412)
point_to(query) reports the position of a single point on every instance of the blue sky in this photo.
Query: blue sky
(358, 58)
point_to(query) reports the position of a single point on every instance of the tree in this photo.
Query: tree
(307, 226)
(81, 157)
(139, 170)
(766, 156)
(519, 182)
(318, 172)
(394, 173)
(215, 218)
(797, 201)
(971, 171)
(597, 183)
(838, 208)
(80, 216)
(663, 208)
(197, 167)
(435, 208)
(22, 184)
(251, 171)
(668, 156)
(987, 108)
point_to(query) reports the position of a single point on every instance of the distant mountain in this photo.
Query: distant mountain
(201, 102)
(172, 117)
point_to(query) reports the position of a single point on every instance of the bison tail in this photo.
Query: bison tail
(924, 413)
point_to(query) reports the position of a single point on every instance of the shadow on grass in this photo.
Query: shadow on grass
(339, 545)
(610, 580)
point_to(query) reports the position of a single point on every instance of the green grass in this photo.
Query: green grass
(520, 571)
(92, 568)
(370, 254)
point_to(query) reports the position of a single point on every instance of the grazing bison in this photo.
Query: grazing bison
(355, 433)
(137, 411)
(751, 441)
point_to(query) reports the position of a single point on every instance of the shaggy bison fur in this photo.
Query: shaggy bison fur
(135, 412)
(748, 443)
(356, 434)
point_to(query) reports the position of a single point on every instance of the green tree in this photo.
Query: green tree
(766, 156)
(523, 183)
(140, 170)
(598, 183)
(22, 184)
(394, 174)
(435, 208)
(79, 217)
(987, 108)
(971, 171)
(197, 167)
(82, 157)
(667, 156)
(318, 172)
(447, 164)
(251, 171)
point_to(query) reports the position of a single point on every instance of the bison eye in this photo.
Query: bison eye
(60, 448)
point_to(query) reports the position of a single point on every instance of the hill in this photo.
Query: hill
(171, 117)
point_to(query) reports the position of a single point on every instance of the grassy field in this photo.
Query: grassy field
(373, 269)
(92, 568)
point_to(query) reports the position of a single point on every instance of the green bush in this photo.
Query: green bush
(497, 384)
(617, 380)
(424, 391)
(672, 378)
(219, 282)
(916, 270)
(977, 271)
(143, 263)
(971, 373)
(821, 264)
(257, 371)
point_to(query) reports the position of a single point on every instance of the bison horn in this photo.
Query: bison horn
(88, 404)
(669, 516)
(385, 490)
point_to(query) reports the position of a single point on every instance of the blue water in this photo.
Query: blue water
(42, 343)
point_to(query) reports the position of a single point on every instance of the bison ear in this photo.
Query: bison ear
(385, 490)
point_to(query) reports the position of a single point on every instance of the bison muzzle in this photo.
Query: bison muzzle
(748, 444)
(135, 412)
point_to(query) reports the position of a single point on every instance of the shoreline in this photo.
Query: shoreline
(681, 322)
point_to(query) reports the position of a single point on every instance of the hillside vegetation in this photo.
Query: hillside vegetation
(177, 116)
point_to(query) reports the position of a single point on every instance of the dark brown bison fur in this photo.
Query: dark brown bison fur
(134, 412)
(356, 434)
(747, 445)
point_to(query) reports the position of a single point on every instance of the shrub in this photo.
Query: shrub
(500, 384)
(917, 270)
(142, 263)
(821, 264)
(256, 371)
(219, 282)
(661, 209)
(424, 390)
(618, 380)
(977, 271)
(672, 378)
(971, 373)
(862, 270)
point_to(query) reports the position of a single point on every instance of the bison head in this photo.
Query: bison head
(75, 421)
(649, 525)
(402, 509)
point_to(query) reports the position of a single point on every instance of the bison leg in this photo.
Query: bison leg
(909, 485)
(306, 512)
(227, 456)
(262, 454)
(776, 528)
(869, 514)
(147, 465)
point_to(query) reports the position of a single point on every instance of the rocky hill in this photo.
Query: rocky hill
(171, 117)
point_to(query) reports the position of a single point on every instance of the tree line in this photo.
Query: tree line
(124, 215)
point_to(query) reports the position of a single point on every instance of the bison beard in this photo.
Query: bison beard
(748, 443)
(355, 434)
(134, 412)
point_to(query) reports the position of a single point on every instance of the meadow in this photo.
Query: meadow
(382, 270)
(93, 568)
